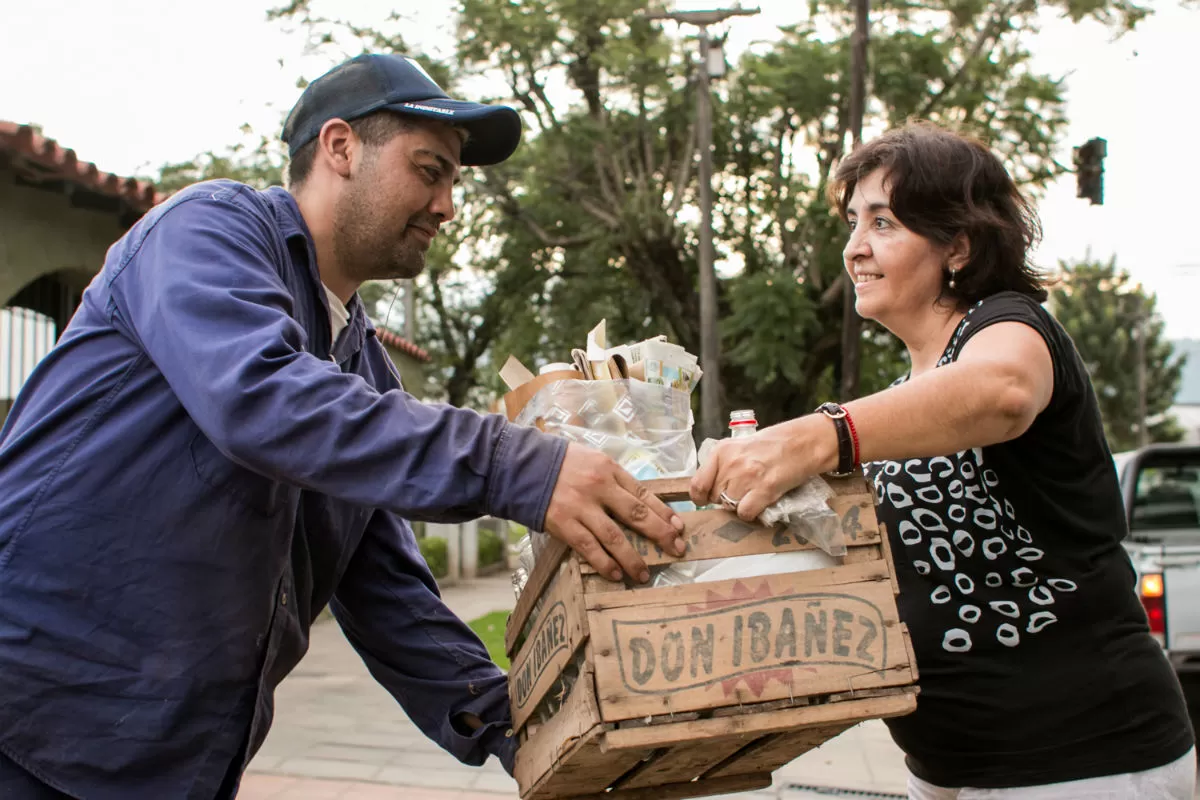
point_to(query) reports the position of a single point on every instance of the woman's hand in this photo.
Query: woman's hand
(757, 470)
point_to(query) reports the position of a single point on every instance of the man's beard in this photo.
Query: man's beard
(365, 245)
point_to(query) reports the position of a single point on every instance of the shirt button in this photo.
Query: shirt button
(283, 600)
(508, 734)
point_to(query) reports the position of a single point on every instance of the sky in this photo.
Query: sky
(132, 84)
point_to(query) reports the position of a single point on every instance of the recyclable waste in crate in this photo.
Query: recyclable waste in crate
(763, 641)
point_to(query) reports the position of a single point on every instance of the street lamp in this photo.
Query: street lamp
(712, 64)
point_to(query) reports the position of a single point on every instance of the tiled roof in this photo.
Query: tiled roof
(397, 342)
(40, 160)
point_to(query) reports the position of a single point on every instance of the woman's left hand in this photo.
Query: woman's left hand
(757, 470)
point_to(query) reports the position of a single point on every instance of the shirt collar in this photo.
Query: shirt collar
(293, 226)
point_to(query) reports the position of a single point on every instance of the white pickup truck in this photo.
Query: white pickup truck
(1161, 487)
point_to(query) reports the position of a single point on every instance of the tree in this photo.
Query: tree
(594, 216)
(1103, 310)
(256, 160)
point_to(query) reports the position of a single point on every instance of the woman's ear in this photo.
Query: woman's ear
(960, 253)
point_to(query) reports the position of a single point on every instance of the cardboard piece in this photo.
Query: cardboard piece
(514, 373)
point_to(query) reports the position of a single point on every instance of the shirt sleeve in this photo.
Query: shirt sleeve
(432, 663)
(202, 295)
(1069, 375)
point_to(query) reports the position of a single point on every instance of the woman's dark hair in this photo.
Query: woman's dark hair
(943, 184)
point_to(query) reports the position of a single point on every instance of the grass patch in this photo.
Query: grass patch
(490, 628)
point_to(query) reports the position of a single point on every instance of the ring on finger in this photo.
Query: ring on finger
(729, 502)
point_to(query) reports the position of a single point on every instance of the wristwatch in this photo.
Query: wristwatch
(847, 438)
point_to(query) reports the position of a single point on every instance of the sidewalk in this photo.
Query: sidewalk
(338, 735)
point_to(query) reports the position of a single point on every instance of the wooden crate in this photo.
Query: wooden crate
(706, 688)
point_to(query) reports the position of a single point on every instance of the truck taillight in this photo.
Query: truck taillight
(1153, 594)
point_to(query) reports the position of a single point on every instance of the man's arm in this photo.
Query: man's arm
(202, 295)
(432, 663)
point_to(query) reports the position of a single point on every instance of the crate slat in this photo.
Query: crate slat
(771, 752)
(558, 632)
(752, 724)
(543, 572)
(695, 593)
(714, 533)
(749, 641)
(682, 763)
(681, 791)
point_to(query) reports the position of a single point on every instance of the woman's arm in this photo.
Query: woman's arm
(1003, 378)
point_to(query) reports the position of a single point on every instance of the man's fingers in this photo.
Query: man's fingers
(577, 535)
(612, 539)
(641, 510)
(702, 482)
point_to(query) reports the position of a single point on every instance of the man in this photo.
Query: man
(218, 446)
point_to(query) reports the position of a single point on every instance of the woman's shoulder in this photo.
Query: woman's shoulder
(1008, 304)
(1010, 307)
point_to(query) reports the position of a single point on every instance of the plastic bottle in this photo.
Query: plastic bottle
(742, 423)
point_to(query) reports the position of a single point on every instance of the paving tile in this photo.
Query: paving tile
(490, 782)
(265, 787)
(327, 768)
(294, 789)
(379, 756)
(425, 778)
(438, 760)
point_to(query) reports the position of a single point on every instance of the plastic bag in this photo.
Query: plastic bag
(646, 428)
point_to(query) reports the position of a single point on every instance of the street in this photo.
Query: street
(338, 734)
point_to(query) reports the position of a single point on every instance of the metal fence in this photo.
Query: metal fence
(26, 336)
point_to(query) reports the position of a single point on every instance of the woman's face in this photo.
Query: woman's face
(897, 273)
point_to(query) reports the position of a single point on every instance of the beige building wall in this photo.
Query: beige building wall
(40, 234)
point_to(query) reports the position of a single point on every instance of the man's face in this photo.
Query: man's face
(398, 194)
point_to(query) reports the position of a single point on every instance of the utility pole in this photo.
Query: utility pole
(1143, 437)
(851, 321)
(410, 310)
(711, 424)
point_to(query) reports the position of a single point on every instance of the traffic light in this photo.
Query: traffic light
(1089, 170)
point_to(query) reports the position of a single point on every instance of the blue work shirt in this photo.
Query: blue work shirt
(191, 475)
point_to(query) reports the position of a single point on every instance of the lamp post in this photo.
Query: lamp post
(710, 341)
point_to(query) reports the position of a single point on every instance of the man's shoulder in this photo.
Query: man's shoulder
(233, 208)
(215, 196)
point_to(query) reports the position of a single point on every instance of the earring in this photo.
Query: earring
(953, 272)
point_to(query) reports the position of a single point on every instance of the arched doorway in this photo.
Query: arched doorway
(29, 327)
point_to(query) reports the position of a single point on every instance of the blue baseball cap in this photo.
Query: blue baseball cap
(384, 82)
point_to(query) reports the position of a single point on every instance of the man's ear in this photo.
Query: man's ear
(338, 146)
(960, 252)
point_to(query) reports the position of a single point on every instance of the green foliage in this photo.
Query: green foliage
(436, 553)
(256, 160)
(595, 216)
(516, 532)
(490, 630)
(491, 548)
(1102, 309)
(769, 327)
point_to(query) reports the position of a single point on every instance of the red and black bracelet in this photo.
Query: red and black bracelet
(847, 435)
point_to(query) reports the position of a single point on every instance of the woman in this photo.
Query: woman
(1039, 678)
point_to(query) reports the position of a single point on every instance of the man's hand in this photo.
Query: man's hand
(590, 487)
